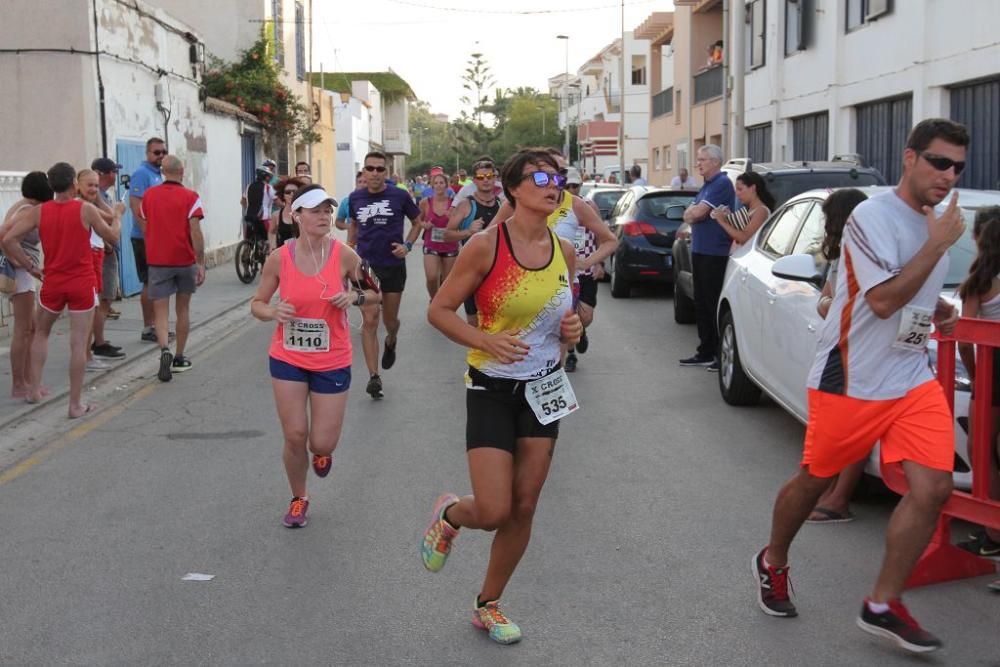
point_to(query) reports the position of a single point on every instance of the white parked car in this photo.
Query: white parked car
(768, 325)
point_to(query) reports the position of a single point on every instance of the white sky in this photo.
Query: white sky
(428, 45)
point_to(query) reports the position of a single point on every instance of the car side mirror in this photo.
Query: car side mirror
(799, 267)
(675, 212)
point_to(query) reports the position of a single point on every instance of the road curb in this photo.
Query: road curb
(153, 350)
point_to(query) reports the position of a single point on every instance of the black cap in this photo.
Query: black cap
(105, 165)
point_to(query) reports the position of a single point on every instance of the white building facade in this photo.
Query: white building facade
(829, 77)
(359, 130)
(593, 103)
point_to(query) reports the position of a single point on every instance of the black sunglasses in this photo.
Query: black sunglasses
(159, 152)
(942, 163)
(543, 178)
(371, 167)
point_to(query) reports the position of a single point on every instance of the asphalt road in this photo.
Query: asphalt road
(658, 498)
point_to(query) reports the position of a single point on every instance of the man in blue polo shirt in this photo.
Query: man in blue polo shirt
(146, 176)
(378, 211)
(709, 252)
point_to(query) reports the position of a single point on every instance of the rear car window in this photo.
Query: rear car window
(656, 205)
(786, 186)
(607, 200)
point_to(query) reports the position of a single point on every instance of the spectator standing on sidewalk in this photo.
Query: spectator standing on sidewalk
(107, 175)
(636, 172)
(980, 294)
(35, 190)
(146, 176)
(709, 252)
(176, 254)
(682, 181)
(88, 190)
(63, 226)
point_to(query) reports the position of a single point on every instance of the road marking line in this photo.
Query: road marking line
(75, 433)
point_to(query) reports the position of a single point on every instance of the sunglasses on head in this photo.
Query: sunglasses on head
(942, 163)
(543, 178)
(489, 176)
(162, 151)
(371, 167)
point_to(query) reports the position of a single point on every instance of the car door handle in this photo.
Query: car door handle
(811, 327)
(743, 274)
(772, 296)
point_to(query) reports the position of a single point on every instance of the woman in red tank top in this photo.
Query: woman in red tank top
(310, 353)
(439, 255)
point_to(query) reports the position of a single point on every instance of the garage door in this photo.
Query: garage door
(759, 143)
(882, 130)
(977, 106)
(810, 137)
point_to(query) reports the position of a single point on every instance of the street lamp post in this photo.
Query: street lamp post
(565, 96)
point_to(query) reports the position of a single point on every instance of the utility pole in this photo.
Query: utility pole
(621, 103)
(565, 96)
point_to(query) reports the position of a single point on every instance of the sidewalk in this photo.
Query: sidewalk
(221, 293)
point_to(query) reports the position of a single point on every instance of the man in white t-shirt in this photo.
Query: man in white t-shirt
(871, 379)
(682, 181)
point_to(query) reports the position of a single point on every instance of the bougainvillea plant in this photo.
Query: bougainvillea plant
(253, 84)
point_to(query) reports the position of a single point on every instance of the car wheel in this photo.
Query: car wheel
(620, 288)
(683, 304)
(734, 385)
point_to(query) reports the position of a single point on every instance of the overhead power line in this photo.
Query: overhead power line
(517, 12)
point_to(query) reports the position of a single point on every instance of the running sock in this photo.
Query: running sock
(444, 515)
(482, 603)
(878, 607)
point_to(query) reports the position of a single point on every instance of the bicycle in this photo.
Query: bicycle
(251, 254)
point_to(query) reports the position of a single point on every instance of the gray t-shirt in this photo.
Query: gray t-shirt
(859, 354)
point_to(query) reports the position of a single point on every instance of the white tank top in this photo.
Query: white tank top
(990, 310)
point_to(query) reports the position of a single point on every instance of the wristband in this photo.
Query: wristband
(409, 246)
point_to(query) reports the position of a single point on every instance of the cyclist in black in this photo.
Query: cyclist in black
(259, 197)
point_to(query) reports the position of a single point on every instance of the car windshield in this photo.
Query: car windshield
(656, 204)
(786, 186)
(606, 199)
(961, 254)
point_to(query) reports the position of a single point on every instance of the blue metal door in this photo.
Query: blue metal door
(130, 155)
(248, 158)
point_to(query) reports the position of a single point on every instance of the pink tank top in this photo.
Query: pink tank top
(440, 222)
(318, 338)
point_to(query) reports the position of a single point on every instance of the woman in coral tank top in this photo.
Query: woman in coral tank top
(310, 354)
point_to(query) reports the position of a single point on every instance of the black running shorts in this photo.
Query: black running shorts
(498, 414)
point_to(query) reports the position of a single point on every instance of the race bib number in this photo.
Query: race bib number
(307, 335)
(914, 329)
(437, 234)
(580, 239)
(551, 398)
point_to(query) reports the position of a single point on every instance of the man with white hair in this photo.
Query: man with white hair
(709, 252)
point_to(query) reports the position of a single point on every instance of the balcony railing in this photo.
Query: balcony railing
(396, 141)
(708, 84)
(663, 102)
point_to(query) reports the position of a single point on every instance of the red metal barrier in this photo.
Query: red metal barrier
(943, 561)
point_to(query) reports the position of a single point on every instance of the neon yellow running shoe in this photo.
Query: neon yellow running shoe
(489, 617)
(439, 535)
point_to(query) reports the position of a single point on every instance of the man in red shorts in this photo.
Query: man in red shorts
(64, 226)
(871, 380)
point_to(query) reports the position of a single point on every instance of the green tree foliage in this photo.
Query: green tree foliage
(252, 83)
(521, 117)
